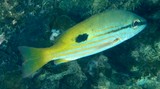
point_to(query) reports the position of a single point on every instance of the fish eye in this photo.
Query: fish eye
(135, 23)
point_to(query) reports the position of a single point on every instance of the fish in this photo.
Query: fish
(93, 35)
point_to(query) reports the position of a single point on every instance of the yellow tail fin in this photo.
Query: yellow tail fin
(34, 59)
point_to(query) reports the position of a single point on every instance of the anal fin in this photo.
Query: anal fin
(60, 61)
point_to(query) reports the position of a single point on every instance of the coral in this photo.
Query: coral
(54, 34)
(75, 79)
(2, 38)
(10, 71)
(98, 6)
(103, 83)
(76, 8)
(147, 53)
(148, 83)
(97, 65)
(72, 77)
(148, 58)
(124, 4)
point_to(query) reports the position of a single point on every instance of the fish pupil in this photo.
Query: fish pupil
(81, 38)
(136, 23)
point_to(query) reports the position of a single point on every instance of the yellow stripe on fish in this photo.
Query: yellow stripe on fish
(93, 35)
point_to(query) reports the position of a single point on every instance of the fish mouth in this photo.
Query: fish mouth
(142, 22)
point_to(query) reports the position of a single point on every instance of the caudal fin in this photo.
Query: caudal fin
(34, 59)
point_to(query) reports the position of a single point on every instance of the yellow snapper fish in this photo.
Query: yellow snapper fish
(93, 35)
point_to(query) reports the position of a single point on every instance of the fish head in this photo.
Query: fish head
(128, 25)
(136, 23)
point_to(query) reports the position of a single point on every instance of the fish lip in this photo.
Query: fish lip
(142, 22)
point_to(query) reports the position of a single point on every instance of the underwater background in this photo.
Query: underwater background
(134, 64)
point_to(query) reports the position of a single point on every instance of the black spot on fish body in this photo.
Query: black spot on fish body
(82, 37)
